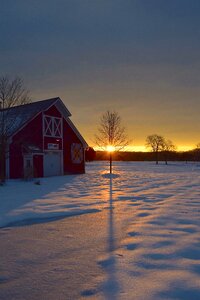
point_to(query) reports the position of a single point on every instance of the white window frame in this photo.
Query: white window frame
(30, 158)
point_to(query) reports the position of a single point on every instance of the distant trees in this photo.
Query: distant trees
(158, 143)
(197, 152)
(168, 147)
(90, 154)
(198, 146)
(111, 134)
(12, 93)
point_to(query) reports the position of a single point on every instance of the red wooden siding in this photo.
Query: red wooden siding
(70, 137)
(31, 134)
(52, 111)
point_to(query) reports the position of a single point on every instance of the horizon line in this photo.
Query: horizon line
(144, 149)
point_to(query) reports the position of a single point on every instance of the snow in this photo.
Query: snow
(143, 237)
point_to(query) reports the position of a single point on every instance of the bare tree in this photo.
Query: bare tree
(168, 147)
(12, 93)
(111, 134)
(197, 152)
(156, 143)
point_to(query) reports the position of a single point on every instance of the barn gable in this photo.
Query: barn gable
(18, 116)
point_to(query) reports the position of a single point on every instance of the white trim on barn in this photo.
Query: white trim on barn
(8, 166)
(52, 126)
(28, 165)
(70, 123)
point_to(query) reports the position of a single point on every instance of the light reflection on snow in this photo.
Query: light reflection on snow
(133, 183)
(148, 218)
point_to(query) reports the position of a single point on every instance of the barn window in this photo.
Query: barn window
(52, 126)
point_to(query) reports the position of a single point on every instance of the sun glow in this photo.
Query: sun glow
(110, 148)
(140, 148)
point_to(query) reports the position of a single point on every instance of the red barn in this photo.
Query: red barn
(43, 141)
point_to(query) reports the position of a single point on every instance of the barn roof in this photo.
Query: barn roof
(16, 117)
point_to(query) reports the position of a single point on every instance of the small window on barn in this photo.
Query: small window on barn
(52, 126)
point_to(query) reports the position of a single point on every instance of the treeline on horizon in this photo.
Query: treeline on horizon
(192, 155)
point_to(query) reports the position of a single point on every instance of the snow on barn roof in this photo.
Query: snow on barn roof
(16, 117)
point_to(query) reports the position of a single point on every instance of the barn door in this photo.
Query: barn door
(52, 163)
(28, 166)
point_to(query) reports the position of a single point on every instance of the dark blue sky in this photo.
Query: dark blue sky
(140, 58)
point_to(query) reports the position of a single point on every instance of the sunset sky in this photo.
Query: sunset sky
(140, 58)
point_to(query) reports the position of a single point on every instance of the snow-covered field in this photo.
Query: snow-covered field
(152, 234)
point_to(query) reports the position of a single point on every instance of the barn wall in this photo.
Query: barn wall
(16, 162)
(70, 137)
(52, 140)
(30, 134)
(53, 111)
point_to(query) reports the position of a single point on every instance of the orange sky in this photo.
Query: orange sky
(140, 58)
(179, 123)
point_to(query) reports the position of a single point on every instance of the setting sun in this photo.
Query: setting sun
(110, 148)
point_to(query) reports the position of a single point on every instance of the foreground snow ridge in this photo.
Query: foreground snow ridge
(152, 219)
(59, 197)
